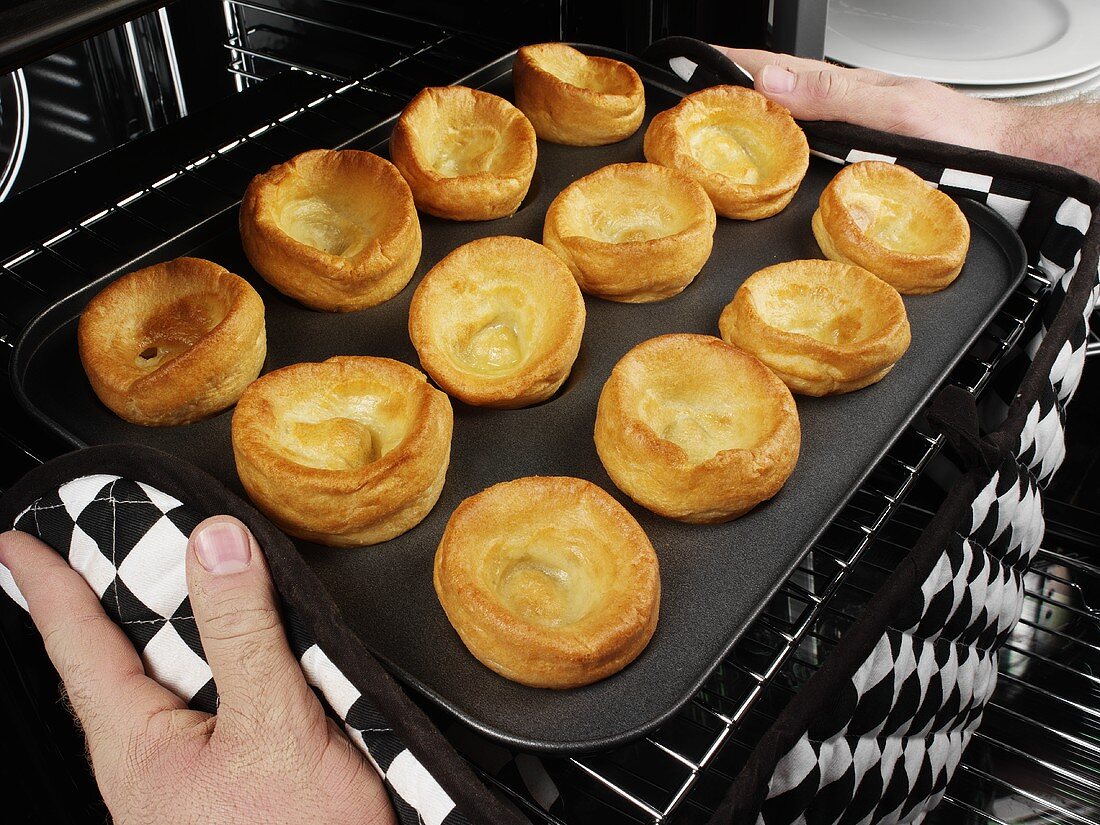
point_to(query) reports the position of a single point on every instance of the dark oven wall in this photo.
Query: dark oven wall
(93, 95)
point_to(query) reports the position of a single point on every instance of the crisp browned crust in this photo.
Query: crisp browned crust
(467, 155)
(823, 327)
(746, 150)
(336, 230)
(695, 429)
(888, 220)
(548, 581)
(575, 99)
(498, 322)
(174, 342)
(632, 232)
(347, 452)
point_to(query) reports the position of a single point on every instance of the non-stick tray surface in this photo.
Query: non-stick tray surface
(715, 579)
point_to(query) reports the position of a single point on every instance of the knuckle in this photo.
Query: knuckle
(239, 618)
(827, 85)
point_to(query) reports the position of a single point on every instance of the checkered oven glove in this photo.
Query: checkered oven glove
(129, 542)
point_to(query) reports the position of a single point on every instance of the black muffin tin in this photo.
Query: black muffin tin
(715, 579)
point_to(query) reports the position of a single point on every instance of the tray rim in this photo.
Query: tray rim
(31, 339)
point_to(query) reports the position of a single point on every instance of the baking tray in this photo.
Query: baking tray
(715, 579)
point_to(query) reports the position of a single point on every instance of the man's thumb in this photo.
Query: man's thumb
(237, 615)
(817, 94)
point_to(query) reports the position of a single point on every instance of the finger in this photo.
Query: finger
(836, 94)
(236, 610)
(755, 61)
(103, 674)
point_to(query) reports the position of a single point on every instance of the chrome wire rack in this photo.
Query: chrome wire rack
(1035, 758)
(264, 38)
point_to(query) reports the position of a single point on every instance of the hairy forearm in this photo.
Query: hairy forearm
(1066, 134)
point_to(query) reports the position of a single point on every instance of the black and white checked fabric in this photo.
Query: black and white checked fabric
(898, 729)
(129, 542)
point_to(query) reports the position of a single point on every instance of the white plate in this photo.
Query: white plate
(976, 42)
(1028, 89)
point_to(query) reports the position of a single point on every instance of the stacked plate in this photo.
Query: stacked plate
(989, 48)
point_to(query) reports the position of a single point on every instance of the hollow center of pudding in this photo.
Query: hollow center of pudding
(730, 149)
(494, 328)
(816, 311)
(546, 582)
(576, 69)
(895, 224)
(625, 213)
(338, 443)
(467, 150)
(324, 225)
(495, 347)
(346, 427)
(174, 328)
(704, 420)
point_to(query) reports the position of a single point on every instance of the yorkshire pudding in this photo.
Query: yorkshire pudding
(549, 581)
(173, 343)
(575, 99)
(696, 430)
(746, 150)
(886, 219)
(823, 327)
(632, 232)
(467, 155)
(336, 230)
(347, 452)
(498, 322)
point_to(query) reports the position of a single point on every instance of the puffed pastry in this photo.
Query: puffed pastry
(886, 219)
(467, 155)
(548, 581)
(746, 150)
(632, 232)
(336, 230)
(577, 99)
(823, 327)
(173, 343)
(498, 322)
(348, 452)
(695, 429)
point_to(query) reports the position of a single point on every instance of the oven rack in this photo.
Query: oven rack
(264, 38)
(677, 774)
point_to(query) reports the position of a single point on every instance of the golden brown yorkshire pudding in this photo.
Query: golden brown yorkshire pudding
(823, 327)
(347, 452)
(498, 322)
(695, 429)
(886, 219)
(632, 232)
(549, 581)
(575, 99)
(467, 155)
(336, 230)
(746, 150)
(173, 343)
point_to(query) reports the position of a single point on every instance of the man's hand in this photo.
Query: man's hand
(1067, 134)
(270, 755)
(813, 90)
